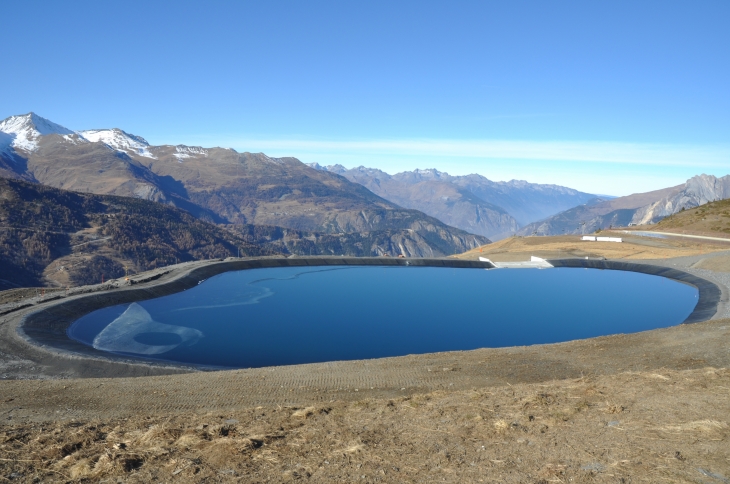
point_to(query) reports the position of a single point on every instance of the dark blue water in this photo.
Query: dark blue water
(283, 316)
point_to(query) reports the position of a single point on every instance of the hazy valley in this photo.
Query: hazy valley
(473, 202)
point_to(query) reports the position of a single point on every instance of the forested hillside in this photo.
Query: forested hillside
(52, 236)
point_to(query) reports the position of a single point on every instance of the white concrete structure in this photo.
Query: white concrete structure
(593, 238)
(533, 263)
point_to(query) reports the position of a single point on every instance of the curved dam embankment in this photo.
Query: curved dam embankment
(39, 334)
(709, 293)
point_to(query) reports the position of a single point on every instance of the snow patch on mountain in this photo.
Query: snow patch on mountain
(276, 161)
(431, 173)
(120, 141)
(23, 131)
(182, 152)
(75, 138)
(6, 140)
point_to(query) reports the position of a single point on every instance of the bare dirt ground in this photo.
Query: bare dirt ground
(22, 293)
(660, 426)
(645, 407)
(633, 247)
(717, 264)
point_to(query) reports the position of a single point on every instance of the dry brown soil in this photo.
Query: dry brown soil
(645, 407)
(718, 264)
(633, 247)
(661, 426)
(18, 295)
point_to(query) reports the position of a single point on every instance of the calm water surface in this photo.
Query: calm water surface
(291, 315)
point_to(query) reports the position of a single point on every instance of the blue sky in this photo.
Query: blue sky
(608, 97)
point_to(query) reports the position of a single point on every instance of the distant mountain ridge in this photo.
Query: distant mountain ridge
(639, 208)
(219, 185)
(472, 202)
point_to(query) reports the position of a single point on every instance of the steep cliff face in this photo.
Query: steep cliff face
(425, 241)
(698, 190)
(711, 219)
(639, 209)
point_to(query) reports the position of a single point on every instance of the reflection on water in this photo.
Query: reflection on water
(250, 295)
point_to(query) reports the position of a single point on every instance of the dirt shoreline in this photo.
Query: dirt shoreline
(53, 356)
(39, 333)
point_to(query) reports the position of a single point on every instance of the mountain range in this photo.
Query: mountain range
(636, 209)
(221, 186)
(224, 186)
(285, 206)
(472, 202)
(50, 236)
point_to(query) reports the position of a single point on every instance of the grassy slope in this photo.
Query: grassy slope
(566, 246)
(711, 219)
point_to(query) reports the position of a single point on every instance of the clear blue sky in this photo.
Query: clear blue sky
(609, 97)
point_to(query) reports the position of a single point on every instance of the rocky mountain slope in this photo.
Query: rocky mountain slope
(217, 185)
(56, 237)
(443, 200)
(473, 202)
(527, 202)
(409, 242)
(710, 219)
(698, 190)
(639, 209)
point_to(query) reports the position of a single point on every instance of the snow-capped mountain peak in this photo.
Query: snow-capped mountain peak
(23, 131)
(119, 140)
(430, 173)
